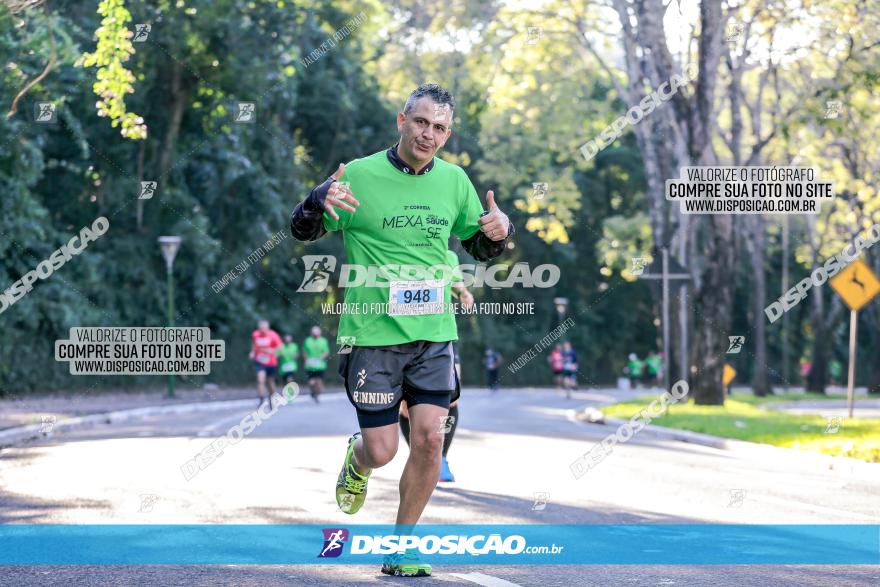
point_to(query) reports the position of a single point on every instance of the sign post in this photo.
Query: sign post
(669, 271)
(856, 285)
(169, 246)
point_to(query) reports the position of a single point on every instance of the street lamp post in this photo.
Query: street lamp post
(169, 246)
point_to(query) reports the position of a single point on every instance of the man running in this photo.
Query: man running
(316, 349)
(448, 427)
(264, 342)
(287, 356)
(399, 207)
(493, 362)
(634, 368)
(569, 368)
(653, 369)
(557, 363)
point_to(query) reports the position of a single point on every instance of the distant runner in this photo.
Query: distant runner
(493, 362)
(287, 356)
(836, 370)
(634, 368)
(654, 369)
(316, 349)
(400, 206)
(557, 364)
(569, 368)
(264, 343)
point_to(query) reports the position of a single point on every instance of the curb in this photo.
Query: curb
(10, 436)
(752, 449)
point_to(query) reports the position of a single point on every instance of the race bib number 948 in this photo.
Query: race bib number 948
(410, 298)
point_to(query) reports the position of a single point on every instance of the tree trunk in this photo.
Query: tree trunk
(181, 87)
(760, 381)
(714, 303)
(817, 377)
(714, 298)
(683, 130)
(140, 178)
(874, 354)
(874, 358)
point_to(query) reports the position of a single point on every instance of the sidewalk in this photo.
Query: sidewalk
(862, 407)
(31, 410)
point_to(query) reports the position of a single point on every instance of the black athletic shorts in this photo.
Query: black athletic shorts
(315, 373)
(270, 370)
(456, 359)
(377, 378)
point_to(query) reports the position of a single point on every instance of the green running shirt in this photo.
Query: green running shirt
(287, 357)
(402, 220)
(314, 348)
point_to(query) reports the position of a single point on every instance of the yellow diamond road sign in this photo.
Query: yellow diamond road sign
(856, 284)
(728, 375)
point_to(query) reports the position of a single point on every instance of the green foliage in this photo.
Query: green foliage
(225, 188)
(114, 80)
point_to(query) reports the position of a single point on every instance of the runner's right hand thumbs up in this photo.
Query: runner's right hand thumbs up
(339, 195)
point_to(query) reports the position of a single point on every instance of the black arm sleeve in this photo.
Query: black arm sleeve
(482, 248)
(306, 222)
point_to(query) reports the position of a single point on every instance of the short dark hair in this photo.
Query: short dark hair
(433, 91)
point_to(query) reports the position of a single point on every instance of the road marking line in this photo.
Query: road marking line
(485, 580)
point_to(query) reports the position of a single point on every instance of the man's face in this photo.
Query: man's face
(316, 332)
(263, 326)
(424, 130)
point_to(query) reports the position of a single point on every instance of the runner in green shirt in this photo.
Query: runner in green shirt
(836, 369)
(316, 349)
(634, 369)
(287, 356)
(654, 368)
(399, 207)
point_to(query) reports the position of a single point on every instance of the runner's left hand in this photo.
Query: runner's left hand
(495, 224)
(466, 298)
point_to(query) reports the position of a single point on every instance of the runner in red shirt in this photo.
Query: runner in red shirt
(557, 363)
(264, 342)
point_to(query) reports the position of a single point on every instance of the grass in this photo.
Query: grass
(742, 418)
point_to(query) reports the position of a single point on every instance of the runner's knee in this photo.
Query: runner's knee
(426, 441)
(379, 451)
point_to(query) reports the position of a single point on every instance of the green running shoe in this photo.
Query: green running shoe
(406, 565)
(351, 486)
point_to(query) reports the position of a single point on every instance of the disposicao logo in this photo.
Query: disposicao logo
(334, 540)
(450, 544)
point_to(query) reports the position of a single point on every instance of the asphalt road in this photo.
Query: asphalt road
(509, 446)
